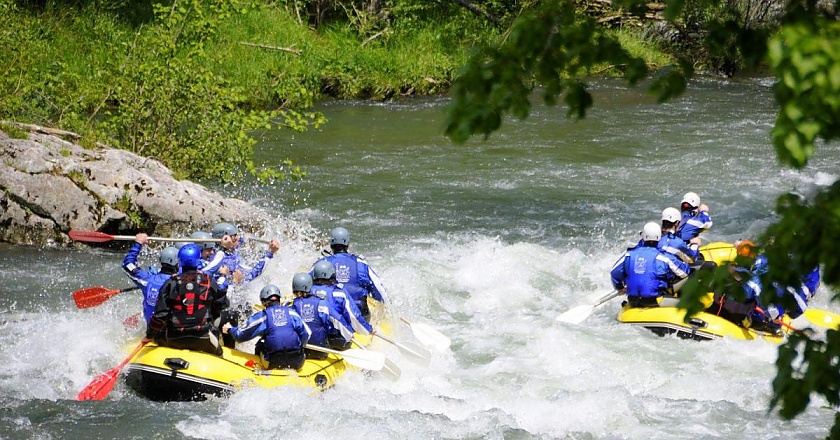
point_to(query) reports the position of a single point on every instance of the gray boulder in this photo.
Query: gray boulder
(49, 186)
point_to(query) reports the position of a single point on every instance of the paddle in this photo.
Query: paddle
(132, 322)
(366, 360)
(101, 385)
(101, 237)
(822, 318)
(578, 314)
(428, 336)
(391, 370)
(777, 320)
(413, 352)
(94, 296)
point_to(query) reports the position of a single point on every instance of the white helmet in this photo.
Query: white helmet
(692, 199)
(671, 214)
(651, 232)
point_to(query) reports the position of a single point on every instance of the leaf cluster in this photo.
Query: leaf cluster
(805, 56)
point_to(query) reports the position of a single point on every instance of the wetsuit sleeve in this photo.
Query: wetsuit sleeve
(705, 220)
(257, 270)
(370, 281)
(137, 274)
(811, 282)
(752, 288)
(333, 321)
(676, 246)
(617, 274)
(223, 282)
(358, 321)
(212, 266)
(256, 326)
(676, 268)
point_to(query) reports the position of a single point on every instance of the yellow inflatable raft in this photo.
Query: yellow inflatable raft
(668, 319)
(701, 327)
(170, 374)
(166, 374)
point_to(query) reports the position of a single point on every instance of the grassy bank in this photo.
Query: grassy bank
(127, 79)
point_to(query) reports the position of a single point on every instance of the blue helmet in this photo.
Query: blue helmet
(189, 256)
(340, 236)
(323, 270)
(169, 255)
(760, 266)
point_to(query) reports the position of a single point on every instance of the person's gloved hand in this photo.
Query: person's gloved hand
(773, 311)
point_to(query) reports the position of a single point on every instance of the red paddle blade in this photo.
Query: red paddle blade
(92, 296)
(90, 236)
(132, 322)
(101, 386)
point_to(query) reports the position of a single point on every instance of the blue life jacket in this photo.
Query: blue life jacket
(149, 281)
(676, 246)
(693, 223)
(644, 271)
(151, 292)
(349, 314)
(347, 275)
(312, 311)
(231, 259)
(283, 329)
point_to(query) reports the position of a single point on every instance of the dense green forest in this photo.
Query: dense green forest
(185, 79)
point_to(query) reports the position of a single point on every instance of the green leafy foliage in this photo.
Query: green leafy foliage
(548, 47)
(805, 56)
(172, 106)
(156, 90)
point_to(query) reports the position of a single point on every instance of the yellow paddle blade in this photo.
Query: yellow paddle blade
(823, 318)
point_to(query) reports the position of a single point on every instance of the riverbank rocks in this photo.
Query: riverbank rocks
(50, 186)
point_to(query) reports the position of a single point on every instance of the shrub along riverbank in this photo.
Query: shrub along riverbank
(191, 79)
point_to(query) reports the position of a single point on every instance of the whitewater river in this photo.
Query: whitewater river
(488, 242)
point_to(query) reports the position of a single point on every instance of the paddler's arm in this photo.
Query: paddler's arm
(255, 326)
